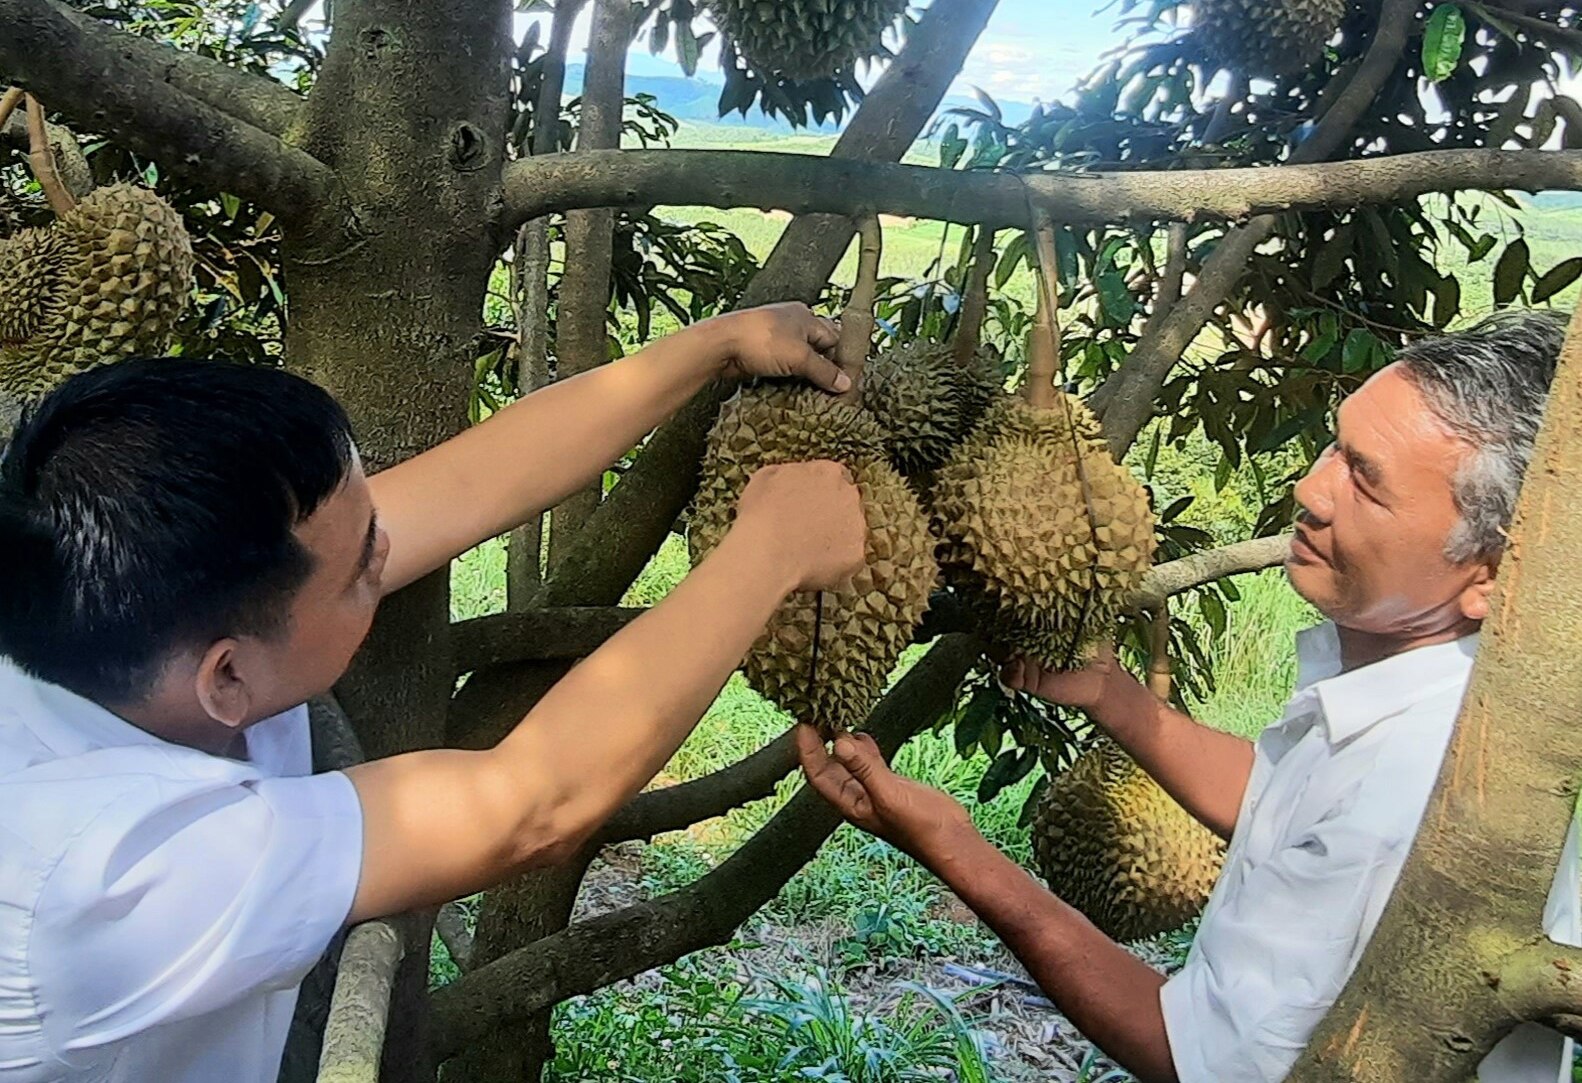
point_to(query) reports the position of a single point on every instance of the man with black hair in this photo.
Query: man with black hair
(190, 550)
(1398, 544)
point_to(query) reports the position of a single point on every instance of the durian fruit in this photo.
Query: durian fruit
(1266, 37)
(863, 630)
(1044, 534)
(1112, 843)
(109, 279)
(806, 39)
(926, 401)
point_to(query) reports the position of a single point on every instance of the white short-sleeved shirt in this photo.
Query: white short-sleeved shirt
(1337, 791)
(159, 906)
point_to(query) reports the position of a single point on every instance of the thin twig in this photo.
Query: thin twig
(857, 319)
(975, 297)
(42, 159)
(8, 103)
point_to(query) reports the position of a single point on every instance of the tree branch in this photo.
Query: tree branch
(536, 635)
(252, 99)
(805, 184)
(451, 926)
(686, 803)
(101, 87)
(360, 1008)
(601, 950)
(1126, 401)
(1178, 576)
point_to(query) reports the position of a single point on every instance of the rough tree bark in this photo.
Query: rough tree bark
(385, 312)
(1466, 917)
(530, 295)
(582, 331)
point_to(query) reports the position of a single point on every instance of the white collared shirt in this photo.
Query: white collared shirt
(159, 906)
(1337, 792)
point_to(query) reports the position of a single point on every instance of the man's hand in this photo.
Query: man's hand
(783, 340)
(810, 513)
(1101, 681)
(914, 818)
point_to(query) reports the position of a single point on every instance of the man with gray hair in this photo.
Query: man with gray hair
(1398, 543)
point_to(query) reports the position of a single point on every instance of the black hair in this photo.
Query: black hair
(150, 505)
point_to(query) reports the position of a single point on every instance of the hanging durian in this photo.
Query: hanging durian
(927, 396)
(806, 39)
(107, 280)
(861, 631)
(1043, 534)
(1112, 843)
(1266, 37)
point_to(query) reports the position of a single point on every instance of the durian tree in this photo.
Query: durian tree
(376, 172)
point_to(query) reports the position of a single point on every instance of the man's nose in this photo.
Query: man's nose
(1313, 492)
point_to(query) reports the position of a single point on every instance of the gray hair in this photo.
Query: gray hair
(1489, 384)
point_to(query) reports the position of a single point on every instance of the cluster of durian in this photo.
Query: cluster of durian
(1044, 535)
(862, 630)
(1266, 37)
(1111, 842)
(806, 39)
(927, 400)
(107, 280)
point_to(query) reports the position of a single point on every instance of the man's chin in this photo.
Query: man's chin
(1310, 581)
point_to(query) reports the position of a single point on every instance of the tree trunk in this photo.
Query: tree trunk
(582, 338)
(385, 312)
(530, 297)
(1459, 959)
(521, 912)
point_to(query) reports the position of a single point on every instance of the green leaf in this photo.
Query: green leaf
(1117, 301)
(979, 709)
(1558, 278)
(1331, 258)
(1511, 271)
(1021, 248)
(1480, 251)
(1152, 459)
(951, 147)
(1009, 768)
(1358, 349)
(687, 48)
(1447, 300)
(1443, 39)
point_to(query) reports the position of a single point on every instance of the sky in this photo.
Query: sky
(1031, 49)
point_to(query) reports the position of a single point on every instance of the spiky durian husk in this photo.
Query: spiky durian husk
(1047, 554)
(108, 280)
(926, 402)
(1266, 37)
(1112, 843)
(806, 39)
(864, 629)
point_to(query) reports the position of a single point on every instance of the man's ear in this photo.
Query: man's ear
(222, 686)
(1474, 600)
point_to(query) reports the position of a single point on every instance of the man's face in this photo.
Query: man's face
(332, 610)
(1377, 510)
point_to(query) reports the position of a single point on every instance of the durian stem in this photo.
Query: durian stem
(975, 297)
(856, 320)
(42, 159)
(1159, 668)
(8, 103)
(1044, 342)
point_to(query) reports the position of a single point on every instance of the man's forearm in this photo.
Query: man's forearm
(608, 727)
(1111, 996)
(445, 823)
(1204, 769)
(538, 451)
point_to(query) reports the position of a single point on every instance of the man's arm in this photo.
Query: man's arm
(1205, 770)
(536, 452)
(441, 824)
(1110, 995)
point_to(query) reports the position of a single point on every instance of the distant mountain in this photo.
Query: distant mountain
(697, 99)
